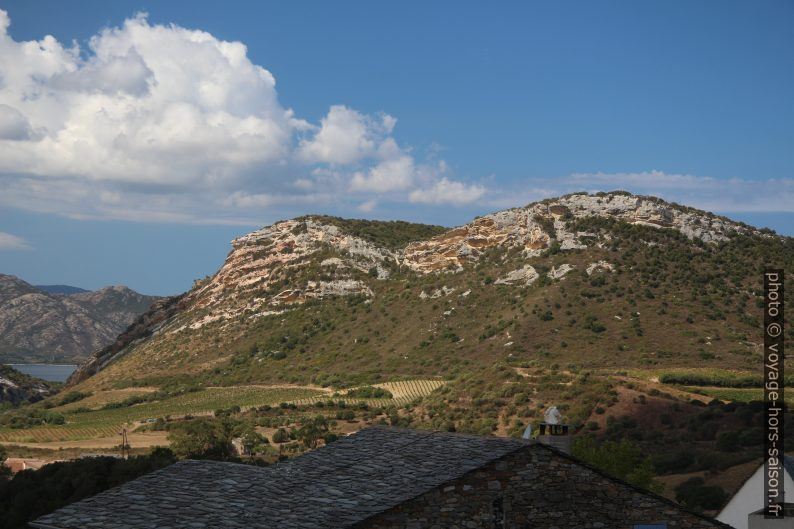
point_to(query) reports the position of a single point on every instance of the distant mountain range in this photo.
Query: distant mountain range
(61, 323)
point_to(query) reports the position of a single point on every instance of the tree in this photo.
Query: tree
(5, 472)
(313, 430)
(622, 460)
(252, 441)
(694, 493)
(205, 439)
(33, 493)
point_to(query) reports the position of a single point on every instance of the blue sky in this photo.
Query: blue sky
(432, 112)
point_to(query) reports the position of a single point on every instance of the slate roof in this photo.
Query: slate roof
(335, 486)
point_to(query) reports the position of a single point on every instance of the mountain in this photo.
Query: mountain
(39, 326)
(610, 280)
(61, 289)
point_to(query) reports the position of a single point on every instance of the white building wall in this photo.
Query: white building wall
(750, 498)
(759, 522)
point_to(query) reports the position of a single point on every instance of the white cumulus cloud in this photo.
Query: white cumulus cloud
(447, 191)
(163, 122)
(346, 136)
(12, 242)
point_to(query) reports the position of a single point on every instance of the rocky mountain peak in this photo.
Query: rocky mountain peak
(262, 271)
(534, 227)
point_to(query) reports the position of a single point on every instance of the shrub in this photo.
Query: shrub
(280, 436)
(369, 392)
(728, 441)
(695, 494)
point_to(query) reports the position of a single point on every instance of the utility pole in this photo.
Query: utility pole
(125, 447)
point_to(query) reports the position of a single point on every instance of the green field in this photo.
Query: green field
(736, 394)
(103, 423)
(99, 422)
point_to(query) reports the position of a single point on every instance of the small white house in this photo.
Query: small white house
(750, 497)
(757, 520)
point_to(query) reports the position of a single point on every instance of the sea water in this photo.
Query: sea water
(50, 372)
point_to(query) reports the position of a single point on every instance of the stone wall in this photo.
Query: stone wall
(535, 488)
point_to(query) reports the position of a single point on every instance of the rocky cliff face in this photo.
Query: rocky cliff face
(260, 262)
(36, 326)
(532, 228)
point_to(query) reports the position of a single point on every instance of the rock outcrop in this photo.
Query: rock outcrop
(524, 276)
(536, 226)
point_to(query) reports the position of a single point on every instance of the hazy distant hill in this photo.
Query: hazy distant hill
(61, 289)
(40, 326)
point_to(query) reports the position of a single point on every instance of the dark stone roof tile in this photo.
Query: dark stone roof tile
(335, 486)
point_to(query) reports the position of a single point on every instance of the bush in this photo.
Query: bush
(674, 462)
(369, 392)
(73, 396)
(623, 460)
(28, 418)
(696, 495)
(728, 441)
(280, 436)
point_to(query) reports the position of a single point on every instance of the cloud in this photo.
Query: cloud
(395, 174)
(346, 136)
(13, 125)
(163, 122)
(12, 242)
(448, 192)
(367, 206)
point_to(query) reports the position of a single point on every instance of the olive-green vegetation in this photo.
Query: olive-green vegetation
(38, 424)
(621, 459)
(388, 234)
(695, 494)
(33, 493)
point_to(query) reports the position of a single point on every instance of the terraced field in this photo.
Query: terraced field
(66, 432)
(99, 399)
(98, 423)
(403, 392)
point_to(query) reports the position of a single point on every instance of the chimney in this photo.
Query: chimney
(553, 433)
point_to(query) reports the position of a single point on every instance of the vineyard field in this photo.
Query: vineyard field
(403, 392)
(104, 423)
(99, 423)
